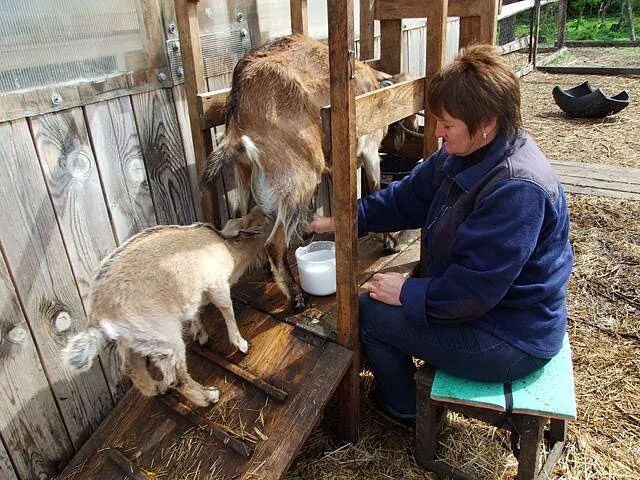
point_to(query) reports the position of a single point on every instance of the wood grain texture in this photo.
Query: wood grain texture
(396, 9)
(161, 145)
(436, 41)
(6, 469)
(212, 104)
(391, 46)
(119, 158)
(343, 159)
(195, 83)
(36, 256)
(366, 29)
(299, 17)
(32, 428)
(182, 110)
(71, 174)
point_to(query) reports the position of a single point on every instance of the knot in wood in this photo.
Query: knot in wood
(17, 335)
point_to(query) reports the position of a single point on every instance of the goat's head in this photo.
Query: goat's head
(252, 224)
(407, 126)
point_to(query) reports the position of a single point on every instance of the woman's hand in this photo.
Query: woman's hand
(321, 225)
(386, 287)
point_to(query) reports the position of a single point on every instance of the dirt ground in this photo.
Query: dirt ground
(604, 320)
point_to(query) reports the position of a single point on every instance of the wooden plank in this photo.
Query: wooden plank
(126, 466)
(343, 159)
(161, 146)
(367, 29)
(436, 41)
(600, 192)
(391, 46)
(72, 178)
(550, 390)
(266, 387)
(182, 110)
(6, 469)
(581, 181)
(37, 101)
(273, 457)
(236, 444)
(299, 17)
(597, 170)
(212, 104)
(380, 108)
(119, 158)
(396, 9)
(32, 428)
(514, 8)
(71, 174)
(36, 256)
(592, 70)
(194, 83)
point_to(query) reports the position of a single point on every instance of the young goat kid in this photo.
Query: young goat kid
(152, 285)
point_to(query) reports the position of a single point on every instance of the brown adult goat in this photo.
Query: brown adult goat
(273, 123)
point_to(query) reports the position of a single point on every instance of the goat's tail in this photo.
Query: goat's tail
(83, 348)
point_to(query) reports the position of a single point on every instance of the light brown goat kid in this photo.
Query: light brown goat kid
(154, 284)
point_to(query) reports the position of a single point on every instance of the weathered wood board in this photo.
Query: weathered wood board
(599, 180)
(117, 151)
(43, 280)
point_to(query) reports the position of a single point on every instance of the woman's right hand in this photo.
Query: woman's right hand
(321, 225)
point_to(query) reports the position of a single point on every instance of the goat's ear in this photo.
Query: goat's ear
(249, 232)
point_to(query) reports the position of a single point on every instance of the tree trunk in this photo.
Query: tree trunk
(632, 27)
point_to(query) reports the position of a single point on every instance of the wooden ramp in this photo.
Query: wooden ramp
(599, 180)
(271, 399)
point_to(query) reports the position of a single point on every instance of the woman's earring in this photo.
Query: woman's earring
(484, 135)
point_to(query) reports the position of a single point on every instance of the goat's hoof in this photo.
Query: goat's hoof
(391, 244)
(242, 345)
(300, 302)
(212, 394)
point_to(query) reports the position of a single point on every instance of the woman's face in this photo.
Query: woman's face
(457, 139)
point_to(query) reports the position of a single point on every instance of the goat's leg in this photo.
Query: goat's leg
(198, 332)
(371, 166)
(277, 254)
(194, 391)
(134, 366)
(167, 355)
(221, 298)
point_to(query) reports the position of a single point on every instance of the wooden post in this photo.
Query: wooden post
(299, 17)
(195, 83)
(562, 23)
(482, 28)
(343, 158)
(436, 41)
(367, 44)
(391, 46)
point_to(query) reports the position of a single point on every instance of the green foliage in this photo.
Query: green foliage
(585, 28)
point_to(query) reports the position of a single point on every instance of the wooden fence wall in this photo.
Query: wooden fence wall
(75, 184)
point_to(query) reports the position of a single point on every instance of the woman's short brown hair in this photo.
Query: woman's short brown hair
(477, 86)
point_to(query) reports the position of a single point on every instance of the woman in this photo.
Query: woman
(495, 225)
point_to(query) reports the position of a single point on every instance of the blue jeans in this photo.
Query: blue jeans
(390, 341)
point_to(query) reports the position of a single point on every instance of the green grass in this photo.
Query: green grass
(579, 29)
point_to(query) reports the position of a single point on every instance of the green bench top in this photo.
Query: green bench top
(547, 392)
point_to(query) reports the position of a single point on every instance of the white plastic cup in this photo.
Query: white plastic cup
(317, 268)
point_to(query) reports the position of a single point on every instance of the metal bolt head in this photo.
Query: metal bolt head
(172, 28)
(180, 72)
(240, 16)
(56, 98)
(175, 46)
(244, 33)
(162, 77)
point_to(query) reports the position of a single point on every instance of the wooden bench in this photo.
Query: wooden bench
(525, 406)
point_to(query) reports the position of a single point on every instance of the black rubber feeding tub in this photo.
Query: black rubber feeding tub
(393, 167)
(586, 102)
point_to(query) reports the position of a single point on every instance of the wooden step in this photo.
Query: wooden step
(250, 433)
